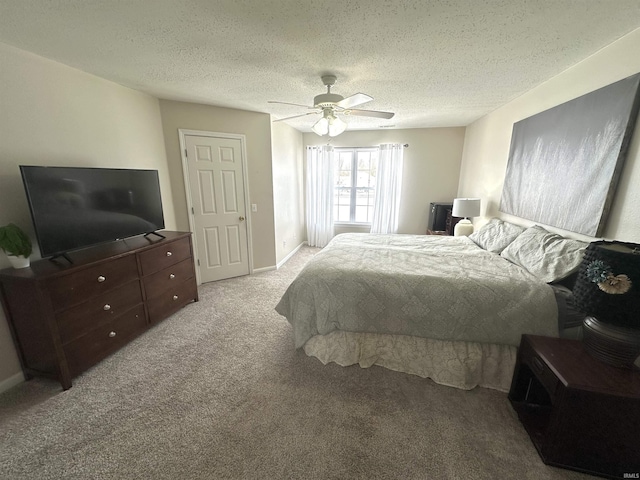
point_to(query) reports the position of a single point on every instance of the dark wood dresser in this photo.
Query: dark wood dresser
(65, 318)
(580, 413)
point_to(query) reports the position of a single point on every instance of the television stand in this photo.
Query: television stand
(66, 318)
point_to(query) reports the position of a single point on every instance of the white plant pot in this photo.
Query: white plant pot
(18, 261)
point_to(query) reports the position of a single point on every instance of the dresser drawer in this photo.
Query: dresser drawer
(164, 255)
(172, 300)
(168, 278)
(86, 316)
(74, 288)
(92, 347)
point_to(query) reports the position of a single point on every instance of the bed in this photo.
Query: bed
(452, 309)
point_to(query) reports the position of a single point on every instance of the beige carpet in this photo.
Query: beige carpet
(217, 391)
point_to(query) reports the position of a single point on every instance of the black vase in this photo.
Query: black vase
(617, 346)
(617, 309)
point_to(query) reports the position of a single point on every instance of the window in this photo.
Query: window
(355, 185)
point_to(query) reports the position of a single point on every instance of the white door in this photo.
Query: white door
(215, 171)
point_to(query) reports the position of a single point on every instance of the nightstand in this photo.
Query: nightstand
(580, 413)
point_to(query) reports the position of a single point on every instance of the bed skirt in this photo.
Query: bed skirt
(457, 364)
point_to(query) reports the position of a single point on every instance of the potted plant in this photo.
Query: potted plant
(16, 244)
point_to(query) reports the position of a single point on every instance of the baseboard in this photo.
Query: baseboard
(291, 254)
(264, 269)
(281, 262)
(11, 382)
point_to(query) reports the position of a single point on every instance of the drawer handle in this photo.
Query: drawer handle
(537, 364)
(172, 276)
(175, 297)
(101, 279)
(112, 334)
(107, 307)
(169, 254)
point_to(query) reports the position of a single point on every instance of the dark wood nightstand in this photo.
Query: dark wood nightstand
(580, 413)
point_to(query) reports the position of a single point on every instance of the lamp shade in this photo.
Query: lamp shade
(321, 127)
(336, 126)
(329, 124)
(466, 207)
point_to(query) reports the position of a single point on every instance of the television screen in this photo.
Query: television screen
(74, 207)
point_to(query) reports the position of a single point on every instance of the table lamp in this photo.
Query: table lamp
(465, 208)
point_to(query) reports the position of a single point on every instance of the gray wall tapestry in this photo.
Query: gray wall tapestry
(564, 163)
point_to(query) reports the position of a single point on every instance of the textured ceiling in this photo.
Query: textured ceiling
(434, 63)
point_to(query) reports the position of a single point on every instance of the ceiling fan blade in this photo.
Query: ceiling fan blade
(295, 116)
(288, 103)
(368, 113)
(353, 100)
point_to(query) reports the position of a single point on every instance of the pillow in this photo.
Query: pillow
(496, 235)
(548, 256)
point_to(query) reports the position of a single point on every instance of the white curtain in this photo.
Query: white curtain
(386, 207)
(320, 184)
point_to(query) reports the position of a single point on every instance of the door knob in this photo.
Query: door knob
(241, 218)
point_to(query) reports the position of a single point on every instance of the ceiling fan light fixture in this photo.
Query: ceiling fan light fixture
(336, 126)
(321, 127)
(330, 105)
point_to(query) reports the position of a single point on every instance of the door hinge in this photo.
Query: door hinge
(192, 211)
(185, 153)
(198, 262)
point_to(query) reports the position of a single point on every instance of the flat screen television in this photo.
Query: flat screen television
(77, 207)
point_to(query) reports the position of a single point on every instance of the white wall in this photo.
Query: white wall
(487, 142)
(431, 167)
(55, 115)
(288, 189)
(257, 130)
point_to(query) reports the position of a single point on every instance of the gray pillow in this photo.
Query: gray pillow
(496, 235)
(548, 256)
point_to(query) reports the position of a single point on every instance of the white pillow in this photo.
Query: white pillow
(496, 235)
(548, 256)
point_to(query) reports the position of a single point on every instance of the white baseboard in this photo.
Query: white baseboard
(264, 269)
(285, 259)
(281, 262)
(11, 382)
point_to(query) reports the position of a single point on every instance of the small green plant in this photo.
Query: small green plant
(14, 241)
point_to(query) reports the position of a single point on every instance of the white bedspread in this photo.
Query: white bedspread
(444, 288)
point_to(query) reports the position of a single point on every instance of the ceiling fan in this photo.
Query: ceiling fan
(332, 106)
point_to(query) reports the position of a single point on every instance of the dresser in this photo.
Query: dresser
(66, 317)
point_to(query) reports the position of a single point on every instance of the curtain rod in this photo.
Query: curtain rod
(405, 145)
